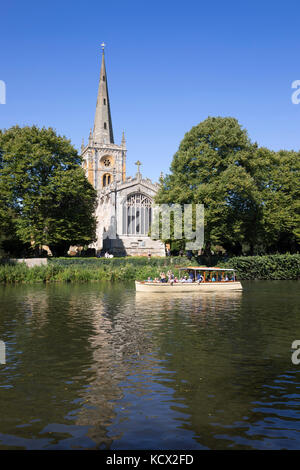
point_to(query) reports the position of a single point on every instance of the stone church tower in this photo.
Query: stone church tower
(124, 209)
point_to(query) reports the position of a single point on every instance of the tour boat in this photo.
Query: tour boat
(225, 280)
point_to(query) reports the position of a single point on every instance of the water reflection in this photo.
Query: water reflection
(101, 366)
(118, 341)
(206, 303)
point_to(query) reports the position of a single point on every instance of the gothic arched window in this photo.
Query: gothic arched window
(137, 214)
(106, 179)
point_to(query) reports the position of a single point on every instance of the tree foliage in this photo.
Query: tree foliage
(250, 195)
(277, 177)
(45, 197)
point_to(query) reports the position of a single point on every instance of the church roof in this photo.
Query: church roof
(103, 131)
(137, 184)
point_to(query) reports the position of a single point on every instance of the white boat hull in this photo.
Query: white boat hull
(144, 286)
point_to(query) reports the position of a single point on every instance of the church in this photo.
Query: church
(124, 203)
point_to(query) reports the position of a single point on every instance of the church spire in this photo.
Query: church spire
(123, 142)
(103, 132)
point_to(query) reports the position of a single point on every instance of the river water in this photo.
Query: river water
(99, 366)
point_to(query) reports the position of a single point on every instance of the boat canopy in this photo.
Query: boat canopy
(202, 268)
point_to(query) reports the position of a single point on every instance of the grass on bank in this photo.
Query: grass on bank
(121, 269)
(21, 273)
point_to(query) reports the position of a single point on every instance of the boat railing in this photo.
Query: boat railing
(188, 282)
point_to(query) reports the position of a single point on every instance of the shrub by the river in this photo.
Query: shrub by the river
(77, 270)
(55, 273)
(266, 267)
(136, 261)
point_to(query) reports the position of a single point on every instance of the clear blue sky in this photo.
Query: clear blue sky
(170, 64)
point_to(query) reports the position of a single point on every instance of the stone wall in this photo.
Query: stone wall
(142, 246)
(31, 262)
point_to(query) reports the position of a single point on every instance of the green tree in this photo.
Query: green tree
(277, 175)
(213, 166)
(44, 187)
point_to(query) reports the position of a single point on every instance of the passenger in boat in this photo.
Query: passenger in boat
(191, 277)
(176, 279)
(149, 279)
(199, 278)
(226, 278)
(163, 277)
(213, 279)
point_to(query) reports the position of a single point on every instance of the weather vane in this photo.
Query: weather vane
(103, 46)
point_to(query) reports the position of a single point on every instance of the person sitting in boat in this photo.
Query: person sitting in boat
(213, 279)
(149, 279)
(163, 277)
(199, 278)
(191, 277)
(176, 279)
(226, 278)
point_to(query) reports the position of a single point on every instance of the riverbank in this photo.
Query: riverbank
(269, 267)
(81, 273)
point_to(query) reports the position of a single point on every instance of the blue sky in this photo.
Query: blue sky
(170, 64)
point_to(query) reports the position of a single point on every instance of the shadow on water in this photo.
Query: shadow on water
(101, 366)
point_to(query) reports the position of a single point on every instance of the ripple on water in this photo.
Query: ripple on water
(99, 366)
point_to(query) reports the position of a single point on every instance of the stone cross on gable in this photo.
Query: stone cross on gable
(138, 164)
